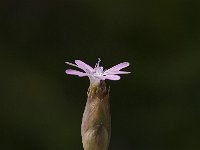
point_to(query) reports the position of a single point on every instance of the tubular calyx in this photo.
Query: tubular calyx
(96, 121)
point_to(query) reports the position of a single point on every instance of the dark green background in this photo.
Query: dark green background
(156, 107)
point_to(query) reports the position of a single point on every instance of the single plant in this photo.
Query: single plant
(96, 121)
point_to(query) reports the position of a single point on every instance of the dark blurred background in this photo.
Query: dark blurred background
(156, 107)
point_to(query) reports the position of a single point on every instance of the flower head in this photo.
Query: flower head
(97, 73)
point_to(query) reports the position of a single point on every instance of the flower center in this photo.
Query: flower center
(98, 71)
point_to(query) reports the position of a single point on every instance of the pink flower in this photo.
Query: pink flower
(97, 73)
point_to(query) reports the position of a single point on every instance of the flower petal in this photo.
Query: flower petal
(117, 72)
(84, 66)
(75, 72)
(118, 67)
(112, 77)
(71, 64)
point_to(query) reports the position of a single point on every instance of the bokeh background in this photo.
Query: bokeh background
(156, 107)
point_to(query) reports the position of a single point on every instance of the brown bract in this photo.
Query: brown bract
(96, 121)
